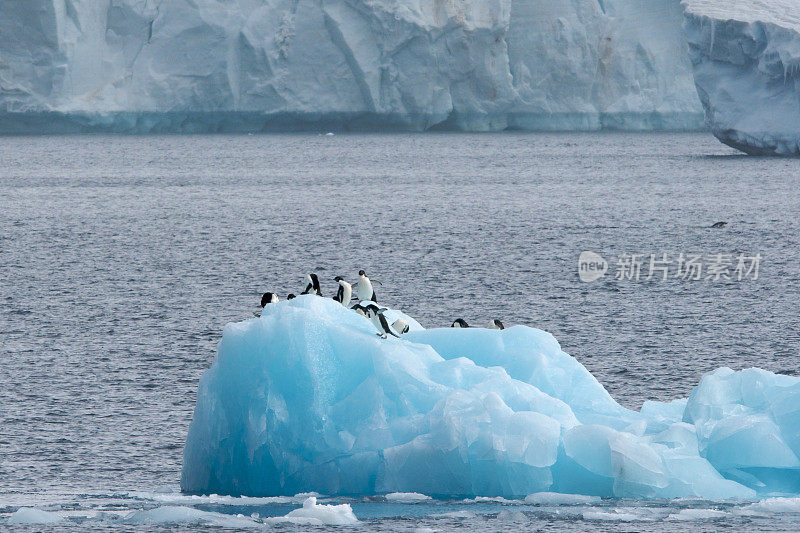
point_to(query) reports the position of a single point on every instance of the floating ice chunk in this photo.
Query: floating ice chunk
(556, 498)
(772, 505)
(688, 515)
(315, 514)
(187, 515)
(507, 515)
(491, 499)
(31, 515)
(614, 516)
(407, 497)
(307, 397)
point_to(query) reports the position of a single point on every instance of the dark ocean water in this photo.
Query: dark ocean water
(123, 257)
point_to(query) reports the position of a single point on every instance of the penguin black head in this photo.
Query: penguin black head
(291, 296)
(362, 273)
(496, 324)
(267, 298)
(459, 323)
(338, 279)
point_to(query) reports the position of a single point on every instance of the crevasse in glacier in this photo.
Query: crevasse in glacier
(308, 398)
(209, 65)
(746, 62)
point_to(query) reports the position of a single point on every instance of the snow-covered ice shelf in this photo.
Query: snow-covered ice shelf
(205, 65)
(746, 58)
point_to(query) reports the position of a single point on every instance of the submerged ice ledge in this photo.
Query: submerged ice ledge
(309, 398)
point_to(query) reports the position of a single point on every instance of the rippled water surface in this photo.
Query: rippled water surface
(123, 257)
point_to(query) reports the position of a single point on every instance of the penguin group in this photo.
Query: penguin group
(366, 305)
(364, 292)
(493, 324)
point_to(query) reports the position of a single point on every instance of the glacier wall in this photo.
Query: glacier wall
(249, 65)
(746, 61)
(308, 398)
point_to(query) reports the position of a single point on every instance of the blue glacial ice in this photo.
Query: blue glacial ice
(308, 398)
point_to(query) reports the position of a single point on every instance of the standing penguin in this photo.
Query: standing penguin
(459, 323)
(364, 289)
(312, 285)
(496, 324)
(344, 293)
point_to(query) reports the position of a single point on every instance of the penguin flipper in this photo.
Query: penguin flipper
(374, 298)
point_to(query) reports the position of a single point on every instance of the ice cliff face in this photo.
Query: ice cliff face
(308, 398)
(151, 65)
(746, 58)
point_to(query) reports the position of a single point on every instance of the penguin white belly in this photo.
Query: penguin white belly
(365, 290)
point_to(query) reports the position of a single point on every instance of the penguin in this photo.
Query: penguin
(312, 285)
(379, 319)
(400, 326)
(291, 296)
(496, 324)
(383, 325)
(345, 292)
(364, 289)
(718, 224)
(269, 298)
(459, 323)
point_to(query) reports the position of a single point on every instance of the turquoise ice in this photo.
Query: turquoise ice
(308, 398)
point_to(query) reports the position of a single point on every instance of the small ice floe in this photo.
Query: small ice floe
(407, 497)
(329, 134)
(31, 515)
(187, 515)
(614, 516)
(312, 514)
(688, 515)
(555, 498)
(491, 499)
(772, 505)
(507, 515)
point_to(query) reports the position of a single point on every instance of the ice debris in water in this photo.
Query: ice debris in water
(31, 515)
(182, 515)
(314, 514)
(308, 397)
(554, 498)
(407, 497)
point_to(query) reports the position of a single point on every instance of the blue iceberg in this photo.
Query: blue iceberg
(308, 398)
